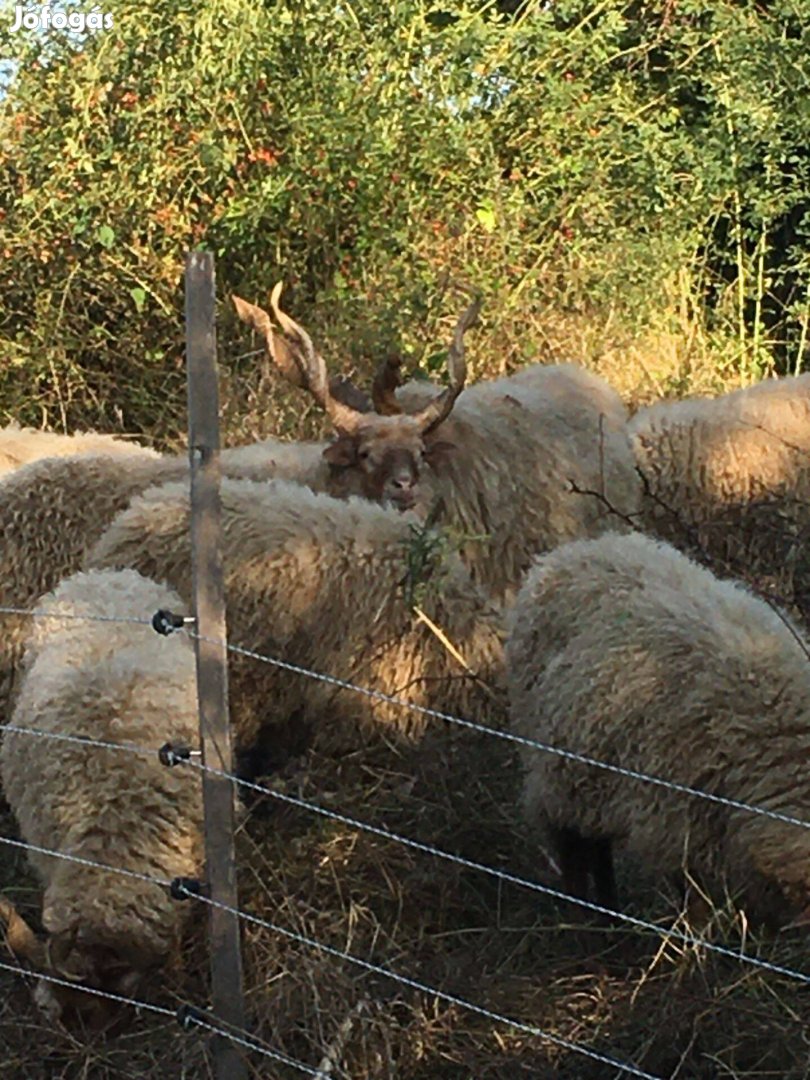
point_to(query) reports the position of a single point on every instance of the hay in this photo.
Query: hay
(673, 1011)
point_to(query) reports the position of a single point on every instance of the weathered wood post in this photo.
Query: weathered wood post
(212, 671)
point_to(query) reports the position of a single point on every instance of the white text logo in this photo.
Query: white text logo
(45, 17)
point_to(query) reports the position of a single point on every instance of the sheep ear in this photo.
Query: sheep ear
(341, 453)
(437, 450)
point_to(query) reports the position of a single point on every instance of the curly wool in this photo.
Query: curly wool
(521, 442)
(730, 475)
(624, 650)
(53, 511)
(321, 583)
(122, 683)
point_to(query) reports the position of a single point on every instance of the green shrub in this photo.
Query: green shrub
(629, 164)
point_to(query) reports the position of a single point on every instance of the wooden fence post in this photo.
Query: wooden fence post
(212, 678)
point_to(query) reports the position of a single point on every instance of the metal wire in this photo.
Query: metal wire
(417, 845)
(512, 879)
(79, 740)
(191, 1017)
(73, 615)
(483, 729)
(84, 862)
(15, 969)
(249, 1044)
(387, 834)
(509, 736)
(414, 984)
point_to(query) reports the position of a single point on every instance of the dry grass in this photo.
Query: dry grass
(674, 1011)
(670, 359)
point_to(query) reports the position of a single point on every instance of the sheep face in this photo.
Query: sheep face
(112, 969)
(383, 460)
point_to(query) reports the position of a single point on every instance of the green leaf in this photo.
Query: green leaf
(436, 361)
(139, 296)
(487, 218)
(106, 236)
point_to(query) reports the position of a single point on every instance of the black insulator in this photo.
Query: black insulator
(183, 888)
(166, 622)
(172, 755)
(187, 1014)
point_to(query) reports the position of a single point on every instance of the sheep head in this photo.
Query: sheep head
(82, 960)
(378, 455)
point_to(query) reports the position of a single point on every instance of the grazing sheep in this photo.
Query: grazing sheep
(20, 445)
(625, 651)
(502, 455)
(328, 585)
(119, 683)
(53, 511)
(731, 476)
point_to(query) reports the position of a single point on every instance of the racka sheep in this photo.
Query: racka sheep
(53, 511)
(347, 588)
(514, 466)
(731, 476)
(20, 445)
(625, 651)
(118, 683)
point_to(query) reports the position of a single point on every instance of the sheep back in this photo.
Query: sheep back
(730, 475)
(521, 442)
(20, 445)
(320, 583)
(53, 511)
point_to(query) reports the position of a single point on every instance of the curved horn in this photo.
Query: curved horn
(440, 408)
(283, 358)
(313, 369)
(386, 381)
(20, 938)
(341, 388)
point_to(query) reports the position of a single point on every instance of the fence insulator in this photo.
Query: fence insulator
(166, 622)
(182, 888)
(170, 755)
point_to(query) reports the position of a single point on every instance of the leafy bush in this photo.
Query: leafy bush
(642, 167)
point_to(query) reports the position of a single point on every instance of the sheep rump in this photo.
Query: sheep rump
(731, 476)
(121, 683)
(623, 650)
(319, 582)
(20, 445)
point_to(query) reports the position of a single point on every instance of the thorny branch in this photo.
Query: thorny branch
(702, 554)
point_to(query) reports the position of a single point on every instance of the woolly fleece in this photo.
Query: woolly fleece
(624, 650)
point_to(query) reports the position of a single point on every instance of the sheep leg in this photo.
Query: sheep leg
(573, 857)
(604, 878)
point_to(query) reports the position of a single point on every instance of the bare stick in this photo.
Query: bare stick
(336, 1048)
